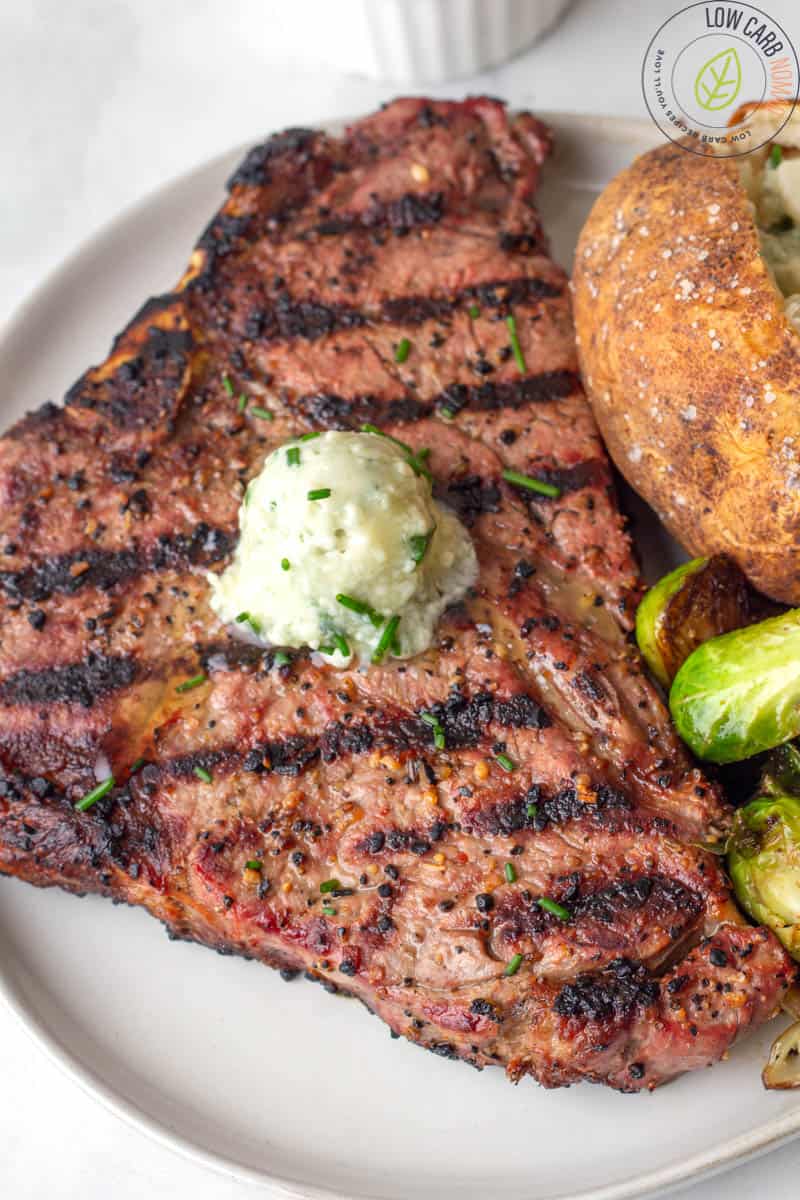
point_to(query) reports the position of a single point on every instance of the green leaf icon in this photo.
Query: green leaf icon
(718, 81)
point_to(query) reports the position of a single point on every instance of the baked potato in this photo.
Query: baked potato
(686, 287)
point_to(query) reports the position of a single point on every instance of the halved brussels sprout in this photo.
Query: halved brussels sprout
(764, 864)
(739, 694)
(695, 602)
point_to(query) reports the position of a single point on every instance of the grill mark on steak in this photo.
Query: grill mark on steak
(285, 317)
(343, 412)
(412, 210)
(612, 995)
(470, 497)
(463, 720)
(82, 683)
(537, 810)
(106, 569)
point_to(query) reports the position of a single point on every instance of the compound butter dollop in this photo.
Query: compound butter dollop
(343, 549)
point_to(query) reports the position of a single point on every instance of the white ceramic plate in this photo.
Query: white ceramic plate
(279, 1082)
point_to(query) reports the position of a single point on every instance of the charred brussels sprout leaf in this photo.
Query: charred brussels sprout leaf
(764, 865)
(739, 694)
(650, 617)
(699, 600)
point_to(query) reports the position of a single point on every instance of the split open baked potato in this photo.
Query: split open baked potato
(687, 308)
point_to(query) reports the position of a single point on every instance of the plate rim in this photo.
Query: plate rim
(723, 1156)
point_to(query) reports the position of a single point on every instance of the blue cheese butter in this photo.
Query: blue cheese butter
(343, 549)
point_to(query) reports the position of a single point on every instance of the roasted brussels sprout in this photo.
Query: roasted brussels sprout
(764, 864)
(739, 694)
(695, 602)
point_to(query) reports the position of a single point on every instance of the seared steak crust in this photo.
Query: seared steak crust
(418, 223)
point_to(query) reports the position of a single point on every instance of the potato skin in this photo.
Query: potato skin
(690, 364)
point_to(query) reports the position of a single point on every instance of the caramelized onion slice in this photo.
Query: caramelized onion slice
(783, 1068)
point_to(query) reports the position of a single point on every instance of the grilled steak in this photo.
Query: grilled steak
(560, 918)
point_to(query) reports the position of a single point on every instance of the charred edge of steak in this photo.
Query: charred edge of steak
(151, 309)
(253, 171)
(343, 412)
(104, 569)
(612, 995)
(80, 683)
(144, 388)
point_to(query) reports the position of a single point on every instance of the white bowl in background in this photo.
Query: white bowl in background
(421, 41)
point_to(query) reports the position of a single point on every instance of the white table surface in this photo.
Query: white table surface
(100, 102)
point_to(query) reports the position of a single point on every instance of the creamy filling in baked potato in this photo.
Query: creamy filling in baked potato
(771, 178)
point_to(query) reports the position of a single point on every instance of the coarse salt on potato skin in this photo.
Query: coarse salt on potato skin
(691, 366)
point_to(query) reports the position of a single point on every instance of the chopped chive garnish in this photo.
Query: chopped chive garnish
(329, 885)
(263, 413)
(202, 774)
(359, 607)
(415, 460)
(226, 383)
(241, 404)
(95, 794)
(474, 311)
(253, 622)
(437, 727)
(401, 352)
(188, 684)
(136, 766)
(253, 864)
(449, 414)
(519, 357)
(505, 762)
(510, 873)
(533, 485)
(419, 543)
(285, 564)
(328, 910)
(776, 156)
(281, 658)
(552, 906)
(319, 494)
(386, 639)
(340, 642)
(356, 606)
(327, 649)
(308, 437)
(379, 433)
(514, 965)
(531, 811)
(293, 456)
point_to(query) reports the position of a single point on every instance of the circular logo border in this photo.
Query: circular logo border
(680, 140)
